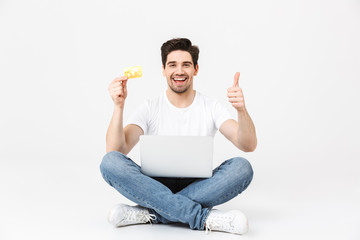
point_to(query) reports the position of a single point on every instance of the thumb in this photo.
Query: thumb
(236, 79)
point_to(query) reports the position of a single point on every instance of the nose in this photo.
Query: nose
(179, 70)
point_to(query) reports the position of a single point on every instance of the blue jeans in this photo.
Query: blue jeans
(185, 200)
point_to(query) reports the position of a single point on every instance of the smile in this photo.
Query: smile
(179, 79)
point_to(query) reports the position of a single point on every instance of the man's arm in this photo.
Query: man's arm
(119, 138)
(241, 133)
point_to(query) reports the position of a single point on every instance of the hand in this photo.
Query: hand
(235, 95)
(118, 91)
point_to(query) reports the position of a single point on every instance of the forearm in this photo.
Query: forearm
(115, 137)
(246, 134)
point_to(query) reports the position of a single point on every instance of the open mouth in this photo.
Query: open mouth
(179, 80)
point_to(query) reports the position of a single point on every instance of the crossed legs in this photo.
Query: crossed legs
(190, 205)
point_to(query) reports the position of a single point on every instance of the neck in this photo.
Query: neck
(181, 100)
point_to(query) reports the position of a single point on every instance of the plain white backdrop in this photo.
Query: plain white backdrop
(299, 64)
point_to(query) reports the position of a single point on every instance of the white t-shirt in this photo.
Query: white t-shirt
(159, 117)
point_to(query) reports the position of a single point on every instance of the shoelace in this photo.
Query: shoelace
(136, 216)
(149, 217)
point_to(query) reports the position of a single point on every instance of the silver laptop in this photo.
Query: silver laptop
(176, 156)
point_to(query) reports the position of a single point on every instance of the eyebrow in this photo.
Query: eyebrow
(189, 62)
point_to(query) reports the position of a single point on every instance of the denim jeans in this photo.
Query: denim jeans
(185, 200)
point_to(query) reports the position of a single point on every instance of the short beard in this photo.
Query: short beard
(179, 91)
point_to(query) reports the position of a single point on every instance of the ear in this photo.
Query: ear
(163, 68)
(196, 69)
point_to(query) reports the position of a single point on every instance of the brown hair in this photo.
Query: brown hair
(179, 44)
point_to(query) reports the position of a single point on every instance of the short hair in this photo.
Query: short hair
(179, 44)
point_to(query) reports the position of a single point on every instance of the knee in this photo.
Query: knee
(242, 168)
(107, 162)
(112, 163)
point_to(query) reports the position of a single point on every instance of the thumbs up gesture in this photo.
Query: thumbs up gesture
(235, 95)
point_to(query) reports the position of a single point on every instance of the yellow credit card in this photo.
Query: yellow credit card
(133, 72)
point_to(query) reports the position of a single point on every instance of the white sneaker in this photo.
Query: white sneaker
(232, 221)
(122, 215)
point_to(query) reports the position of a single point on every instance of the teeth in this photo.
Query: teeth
(179, 79)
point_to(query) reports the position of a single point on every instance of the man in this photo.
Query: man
(179, 111)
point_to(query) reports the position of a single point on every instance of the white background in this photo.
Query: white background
(299, 64)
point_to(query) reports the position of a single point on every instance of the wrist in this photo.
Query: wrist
(241, 110)
(118, 108)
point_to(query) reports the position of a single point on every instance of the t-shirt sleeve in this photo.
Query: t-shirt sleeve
(140, 117)
(220, 114)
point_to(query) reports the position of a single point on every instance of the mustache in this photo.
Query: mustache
(179, 75)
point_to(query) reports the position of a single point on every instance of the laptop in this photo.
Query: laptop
(176, 156)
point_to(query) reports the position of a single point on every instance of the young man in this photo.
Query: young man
(179, 111)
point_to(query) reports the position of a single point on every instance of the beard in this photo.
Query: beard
(179, 91)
